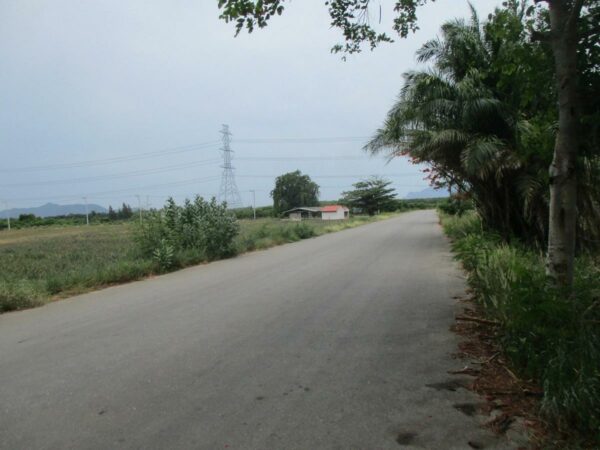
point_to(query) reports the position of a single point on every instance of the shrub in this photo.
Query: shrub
(198, 227)
(19, 294)
(455, 206)
(304, 231)
(546, 334)
(218, 228)
(164, 254)
(248, 213)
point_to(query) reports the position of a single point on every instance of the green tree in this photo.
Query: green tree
(27, 218)
(294, 189)
(561, 23)
(371, 196)
(125, 212)
(477, 118)
(112, 215)
(453, 117)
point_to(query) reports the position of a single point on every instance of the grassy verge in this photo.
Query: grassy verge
(547, 336)
(261, 234)
(42, 264)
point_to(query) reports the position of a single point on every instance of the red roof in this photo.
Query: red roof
(331, 208)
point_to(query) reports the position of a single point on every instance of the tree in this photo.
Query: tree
(561, 25)
(371, 196)
(27, 218)
(294, 189)
(112, 215)
(563, 37)
(458, 117)
(125, 212)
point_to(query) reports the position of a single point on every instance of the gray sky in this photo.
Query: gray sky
(88, 81)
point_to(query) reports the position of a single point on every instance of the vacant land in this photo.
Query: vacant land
(40, 264)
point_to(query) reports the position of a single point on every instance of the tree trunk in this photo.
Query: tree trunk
(563, 175)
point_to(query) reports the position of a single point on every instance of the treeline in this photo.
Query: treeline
(126, 213)
(31, 220)
(395, 205)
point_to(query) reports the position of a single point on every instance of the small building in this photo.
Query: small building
(303, 212)
(335, 212)
(330, 212)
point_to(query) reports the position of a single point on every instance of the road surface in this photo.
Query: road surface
(337, 342)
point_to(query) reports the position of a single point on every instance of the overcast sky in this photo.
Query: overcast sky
(83, 82)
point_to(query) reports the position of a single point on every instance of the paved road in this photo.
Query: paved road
(338, 342)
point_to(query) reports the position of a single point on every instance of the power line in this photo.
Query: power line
(175, 167)
(117, 159)
(302, 140)
(192, 180)
(302, 158)
(98, 195)
(182, 149)
(346, 186)
(116, 175)
(392, 175)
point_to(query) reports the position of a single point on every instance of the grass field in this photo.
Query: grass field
(42, 264)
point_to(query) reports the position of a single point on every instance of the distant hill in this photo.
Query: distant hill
(52, 209)
(427, 193)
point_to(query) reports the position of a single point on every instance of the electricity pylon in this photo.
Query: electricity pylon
(229, 191)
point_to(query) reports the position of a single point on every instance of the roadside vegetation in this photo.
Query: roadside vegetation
(294, 189)
(475, 116)
(371, 196)
(46, 262)
(548, 335)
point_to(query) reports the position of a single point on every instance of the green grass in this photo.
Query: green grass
(548, 336)
(40, 264)
(265, 233)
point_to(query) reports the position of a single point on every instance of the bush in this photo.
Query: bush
(19, 294)
(197, 229)
(304, 231)
(248, 213)
(455, 206)
(547, 335)
(164, 255)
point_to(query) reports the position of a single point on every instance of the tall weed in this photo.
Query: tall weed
(19, 294)
(202, 228)
(547, 335)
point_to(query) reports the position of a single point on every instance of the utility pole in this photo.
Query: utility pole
(229, 191)
(253, 202)
(87, 217)
(140, 208)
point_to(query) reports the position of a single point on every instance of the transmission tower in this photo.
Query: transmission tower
(229, 191)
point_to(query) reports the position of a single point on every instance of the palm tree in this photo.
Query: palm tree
(447, 116)
(486, 135)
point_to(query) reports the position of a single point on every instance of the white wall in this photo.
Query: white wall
(338, 215)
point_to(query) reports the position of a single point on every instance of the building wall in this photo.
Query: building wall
(338, 215)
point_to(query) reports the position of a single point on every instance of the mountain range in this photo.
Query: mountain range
(427, 193)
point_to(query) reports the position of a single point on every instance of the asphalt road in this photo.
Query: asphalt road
(337, 342)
